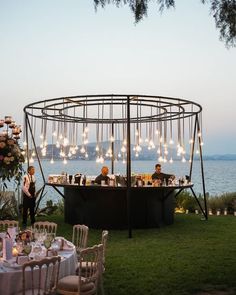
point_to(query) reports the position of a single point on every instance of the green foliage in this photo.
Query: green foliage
(8, 206)
(225, 201)
(223, 11)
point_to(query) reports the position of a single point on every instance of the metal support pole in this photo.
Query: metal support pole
(128, 169)
(27, 138)
(35, 147)
(192, 150)
(112, 148)
(202, 169)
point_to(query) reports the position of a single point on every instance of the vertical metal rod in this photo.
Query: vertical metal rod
(192, 151)
(27, 138)
(202, 169)
(112, 148)
(37, 155)
(128, 168)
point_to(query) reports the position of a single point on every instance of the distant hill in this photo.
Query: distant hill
(145, 154)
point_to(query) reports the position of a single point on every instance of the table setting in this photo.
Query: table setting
(29, 245)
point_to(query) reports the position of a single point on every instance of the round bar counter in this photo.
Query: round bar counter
(106, 207)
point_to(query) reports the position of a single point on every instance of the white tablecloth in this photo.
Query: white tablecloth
(11, 279)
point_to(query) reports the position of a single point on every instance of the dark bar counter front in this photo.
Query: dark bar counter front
(106, 207)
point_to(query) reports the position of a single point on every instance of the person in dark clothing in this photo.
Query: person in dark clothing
(28, 190)
(103, 176)
(160, 177)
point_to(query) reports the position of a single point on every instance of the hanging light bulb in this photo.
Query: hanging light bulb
(83, 134)
(197, 152)
(183, 159)
(57, 144)
(160, 159)
(199, 134)
(165, 160)
(140, 140)
(112, 139)
(136, 132)
(101, 159)
(124, 161)
(60, 136)
(52, 161)
(134, 148)
(26, 161)
(138, 148)
(97, 148)
(119, 155)
(31, 160)
(159, 151)
(86, 129)
(146, 140)
(23, 153)
(69, 154)
(76, 147)
(24, 143)
(136, 154)
(86, 141)
(171, 141)
(157, 132)
(106, 154)
(124, 142)
(41, 146)
(41, 136)
(171, 160)
(190, 161)
(65, 161)
(54, 133)
(97, 160)
(123, 149)
(166, 152)
(82, 150)
(33, 154)
(190, 141)
(65, 141)
(202, 143)
(86, 155)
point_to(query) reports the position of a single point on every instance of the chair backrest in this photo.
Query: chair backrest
(80, 236)
(43, 276)
(50, 227)
(104, 243)
(89, 266)
(4, 224)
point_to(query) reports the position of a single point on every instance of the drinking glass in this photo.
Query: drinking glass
(27, 249)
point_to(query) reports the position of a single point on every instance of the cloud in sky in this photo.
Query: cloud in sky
(60, 48)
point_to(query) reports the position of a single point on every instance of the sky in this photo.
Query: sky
(61, 48)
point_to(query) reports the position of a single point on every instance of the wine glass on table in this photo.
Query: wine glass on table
(27, 248)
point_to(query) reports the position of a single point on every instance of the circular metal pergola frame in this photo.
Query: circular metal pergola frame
(157, 109)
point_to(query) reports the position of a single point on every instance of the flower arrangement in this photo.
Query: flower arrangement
(11, 157)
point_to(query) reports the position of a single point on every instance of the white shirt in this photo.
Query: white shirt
(26, 184)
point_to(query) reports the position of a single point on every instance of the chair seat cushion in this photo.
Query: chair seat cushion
(70, 283)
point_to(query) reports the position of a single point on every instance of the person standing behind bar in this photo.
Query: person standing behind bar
(103, 176)
(161, 177)
(28, 189)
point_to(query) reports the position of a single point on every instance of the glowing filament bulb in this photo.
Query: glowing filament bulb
(199, 134)
(197, 152)
(86, 129)
(60, 136)
(124, 142)
(123, 149)
(69, 154)
(136, 154)
(183, 160)
(64, 161)
(190, 141)
(97, 148)
(33, 154)
(171, 141)
(123, 161)
(86, 155)
(41, 136)
(54, 133)
(52, 161)
(101, 159)
(82, 150)
(112, 139)
(119, 155)
(171, 160)
(202, 143)
(57, 144)
(24, 143)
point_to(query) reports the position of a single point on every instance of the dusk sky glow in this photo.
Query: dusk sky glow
(61, 48)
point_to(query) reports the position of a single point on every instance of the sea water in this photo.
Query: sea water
(220, 176)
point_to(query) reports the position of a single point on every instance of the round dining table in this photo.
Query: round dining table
(11, 275)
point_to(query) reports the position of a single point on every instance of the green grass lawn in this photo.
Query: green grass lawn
(183, 258)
